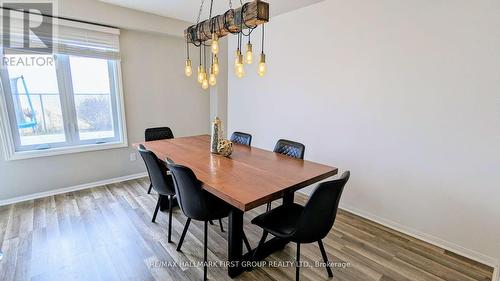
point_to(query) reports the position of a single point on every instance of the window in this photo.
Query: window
(63, 102)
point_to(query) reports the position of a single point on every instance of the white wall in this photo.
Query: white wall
(99, 12)
(156, 94)
(405, 94)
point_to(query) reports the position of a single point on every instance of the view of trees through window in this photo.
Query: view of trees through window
(91, 87)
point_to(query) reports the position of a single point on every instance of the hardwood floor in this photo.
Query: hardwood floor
(106, 233)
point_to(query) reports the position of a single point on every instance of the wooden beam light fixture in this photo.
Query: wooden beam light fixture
(240, 22)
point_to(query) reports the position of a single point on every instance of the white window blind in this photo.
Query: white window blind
(68, 37)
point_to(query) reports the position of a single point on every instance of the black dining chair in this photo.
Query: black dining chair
(152, 134)
(158, 133)
(289, 148)
(162, 183)
(197, 204)
(241, 138)
(307, 224)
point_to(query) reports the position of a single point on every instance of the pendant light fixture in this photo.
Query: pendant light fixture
(212, 80)
(241, 22)
(188, 70)
(215, 65)
(262, 62)
(249, 54)
(204, 83)
(200, 71)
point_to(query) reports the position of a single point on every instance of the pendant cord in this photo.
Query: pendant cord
(238, 41)
(241, 24)
(211, 5)
(205, 58)
(262, 38)
(199, 12)
(241, 40)
(210, 17)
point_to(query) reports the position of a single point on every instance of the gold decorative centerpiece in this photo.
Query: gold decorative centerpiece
(219, 145)
(225, 147)
(216, 135)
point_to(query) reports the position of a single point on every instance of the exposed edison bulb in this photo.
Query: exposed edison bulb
(215, 44)
(201, 71)
(237, 58)
(188, 70)
(212, 80)
(262, 65)
(204, 83)
(249, 54)
(240, 71)
(216, 65)
(239, 68)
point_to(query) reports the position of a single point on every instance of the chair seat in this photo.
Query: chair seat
(166, 192)
(281, 221)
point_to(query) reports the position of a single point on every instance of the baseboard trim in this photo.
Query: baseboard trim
(452, 247)
(70, 189)
(496, 273)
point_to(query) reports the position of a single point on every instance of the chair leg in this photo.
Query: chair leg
(157, 208)
(211, 222)
(261, 242)
(268, 208)
(297, 265)
(170, 206)
(221, 226)
(247, 244)
(150, 187)
(183, 234)
(205, 251)
(325, 258)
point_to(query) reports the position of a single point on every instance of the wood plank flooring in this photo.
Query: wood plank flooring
(106, 233)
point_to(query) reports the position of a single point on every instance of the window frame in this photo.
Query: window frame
(8, 126)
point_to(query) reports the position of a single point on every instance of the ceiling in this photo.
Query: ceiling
(187, 10)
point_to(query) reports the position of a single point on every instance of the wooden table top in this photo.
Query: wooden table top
(247, 179)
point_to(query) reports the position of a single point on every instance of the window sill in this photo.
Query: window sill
(64, 150)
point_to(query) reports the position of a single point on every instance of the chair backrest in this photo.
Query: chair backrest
(290, 148)
(195, 202)
(157, 170)
(319, 213)
(159, 133)
(241, 138)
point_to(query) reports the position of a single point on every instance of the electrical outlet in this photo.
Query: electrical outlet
(133, 157)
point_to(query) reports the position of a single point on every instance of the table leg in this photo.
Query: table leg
(288, 198)
(235, 242)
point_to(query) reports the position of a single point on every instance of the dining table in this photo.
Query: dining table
(248, 178)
